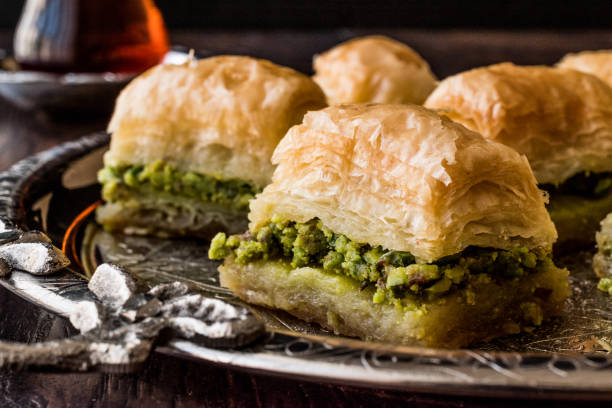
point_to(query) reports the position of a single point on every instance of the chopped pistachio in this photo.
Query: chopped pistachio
(394, 274)
(163, 177)
(605, 285)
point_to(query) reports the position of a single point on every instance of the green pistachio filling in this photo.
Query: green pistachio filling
(160, 177)
(395, 274)
(578, 205)
(605, 285)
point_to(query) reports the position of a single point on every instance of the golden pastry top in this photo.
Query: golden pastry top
(221, 115)
(560, 119)
(403, 177)
(373, 69)
(598, 63)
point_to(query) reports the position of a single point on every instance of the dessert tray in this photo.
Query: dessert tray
(566, 358)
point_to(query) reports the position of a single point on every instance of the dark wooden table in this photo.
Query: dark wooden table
(167, 381)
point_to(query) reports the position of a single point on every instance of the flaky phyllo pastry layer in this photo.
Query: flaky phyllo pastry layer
(392, 223)
(213, 124)
(373, 69)
(560, 119)
(219, 116)
(598, 63)
(407, 179)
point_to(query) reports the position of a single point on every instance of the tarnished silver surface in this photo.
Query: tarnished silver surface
(37, 258)
(112, 340)
(33, 236)
(76, 354)
(5, 268)
(118, 315)
(568, 357)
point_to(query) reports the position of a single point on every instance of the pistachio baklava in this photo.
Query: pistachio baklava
(373, 69)
(395, 224)
(560, 119)
(191, 144)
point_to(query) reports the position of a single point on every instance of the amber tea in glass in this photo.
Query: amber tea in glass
(90, 35)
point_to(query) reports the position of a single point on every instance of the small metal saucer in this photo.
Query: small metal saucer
(77, 92)
(70, 92)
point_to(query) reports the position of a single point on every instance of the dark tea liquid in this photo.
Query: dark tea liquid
(90, 35)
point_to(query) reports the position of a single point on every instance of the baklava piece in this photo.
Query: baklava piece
(394, 224)
(191, 144)
(561, 119)
(373, 69)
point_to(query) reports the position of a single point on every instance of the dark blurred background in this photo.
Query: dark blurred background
(452, 35)
(369, 13)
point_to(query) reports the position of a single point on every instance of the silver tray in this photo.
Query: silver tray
(566, 358)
